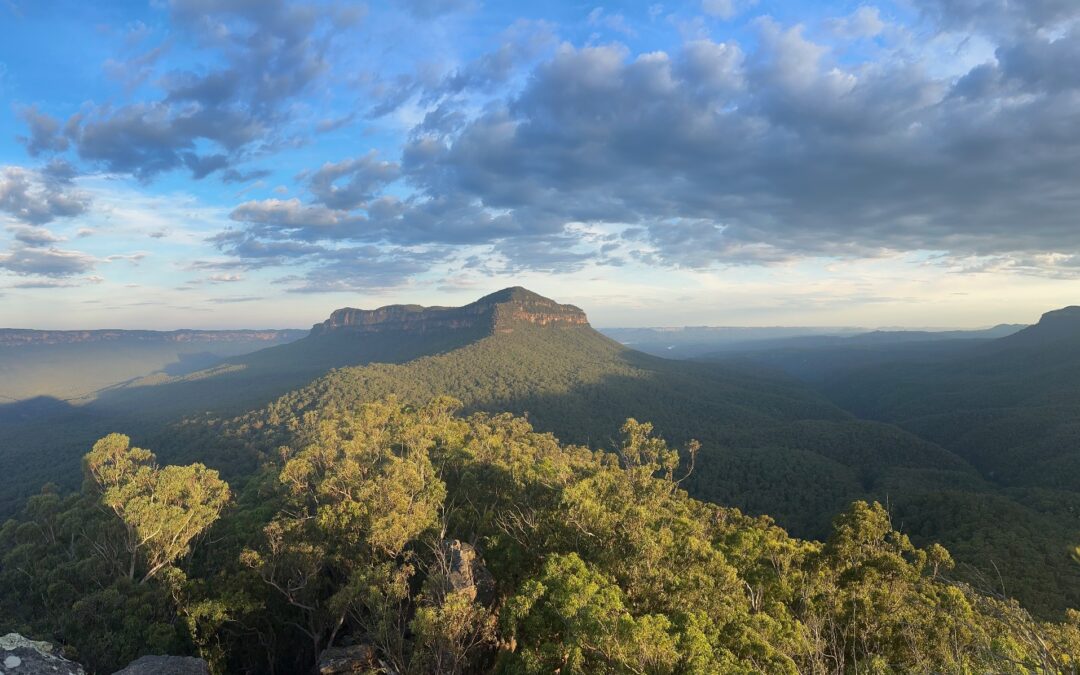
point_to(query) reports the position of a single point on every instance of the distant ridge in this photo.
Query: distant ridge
(499, 312)
(1059, 325)
(10, 337)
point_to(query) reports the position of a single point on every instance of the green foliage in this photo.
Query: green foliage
(162, 509)
(600, 563)
(69, 564)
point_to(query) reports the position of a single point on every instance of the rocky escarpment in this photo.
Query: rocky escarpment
(499, 312)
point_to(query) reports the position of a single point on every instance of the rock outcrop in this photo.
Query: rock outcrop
(21, 656)
(166, 665)
(499, 312)
(466, 573)
(351, 660)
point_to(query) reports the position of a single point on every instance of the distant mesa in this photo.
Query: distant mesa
(16, 337)
(500, 312)
(1059, 325)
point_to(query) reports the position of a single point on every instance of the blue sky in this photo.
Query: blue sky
(257, 163)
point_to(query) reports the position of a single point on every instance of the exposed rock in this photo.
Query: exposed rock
(20, 656)
(499, 312)
(467, 573)
(166, 665)
(350, 660)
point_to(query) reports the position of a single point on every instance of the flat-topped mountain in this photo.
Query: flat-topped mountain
(1059, 325)
(499, 312)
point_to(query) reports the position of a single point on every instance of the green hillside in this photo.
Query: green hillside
(423, 542)
(1012, 408)
(770, 445)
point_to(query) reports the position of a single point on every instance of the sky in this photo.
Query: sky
(259, 163)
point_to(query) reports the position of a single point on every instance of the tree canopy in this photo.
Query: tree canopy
(353, 532)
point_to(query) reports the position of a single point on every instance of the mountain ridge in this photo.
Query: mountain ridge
(19, 337)
(499, 312)
(1056, 326)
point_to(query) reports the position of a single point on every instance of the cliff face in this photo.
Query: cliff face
(12, 337)
(499, 312)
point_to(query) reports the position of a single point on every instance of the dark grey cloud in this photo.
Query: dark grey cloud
(249, 251)
(240, 176)
(39, 197)
(716, 154)
(353, 182)
(723, 157)
(59, 171)
(556, 254)
(145, 139)
(211, 117)
(45, 132)
(997, 17)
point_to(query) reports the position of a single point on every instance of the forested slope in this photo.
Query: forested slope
(769, 444)
(432, 543)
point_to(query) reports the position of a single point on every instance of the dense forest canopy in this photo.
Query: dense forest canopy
(598, 562)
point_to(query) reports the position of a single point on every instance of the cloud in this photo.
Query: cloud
(722, 157)
(145, 139)
(275, 217)
(364, 268)
(57, 283)
(520, 44)
(211, 117)
(797, 143)
(34, 236)
(38, 197)
(726, 9)
(48, 262)
(432, 9)
(245, 298)
(45, 133)
(864, 22)
(238, 176)
(133, 258)
(614, 22)
(363, 178)
(997, 17)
